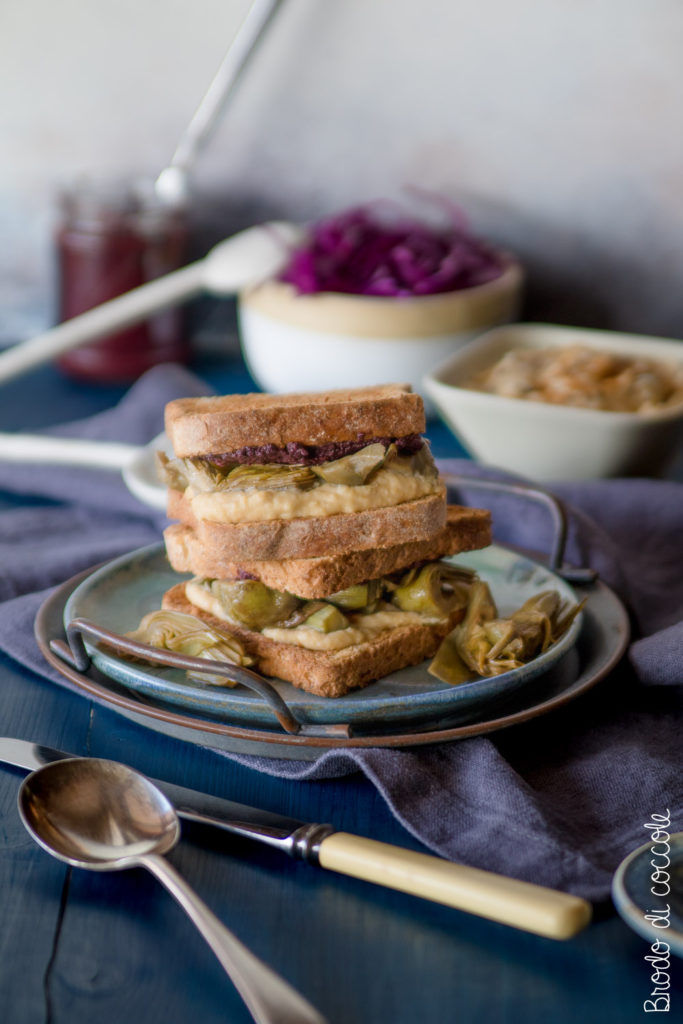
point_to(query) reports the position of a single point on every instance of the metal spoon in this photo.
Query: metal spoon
(103, 816)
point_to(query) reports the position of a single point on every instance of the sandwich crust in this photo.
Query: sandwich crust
(328, 673)
(465, 530)
(315, 536)
(210, 426)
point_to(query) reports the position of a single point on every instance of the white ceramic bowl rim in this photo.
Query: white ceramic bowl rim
(412, 316)
(543, 409)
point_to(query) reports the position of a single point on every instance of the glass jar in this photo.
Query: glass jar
(112, 238)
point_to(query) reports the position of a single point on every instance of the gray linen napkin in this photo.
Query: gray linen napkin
(559, 800)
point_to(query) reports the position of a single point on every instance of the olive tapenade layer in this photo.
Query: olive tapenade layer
(295, 453)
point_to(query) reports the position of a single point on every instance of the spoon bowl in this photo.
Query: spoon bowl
(250, 257)
(97, 814)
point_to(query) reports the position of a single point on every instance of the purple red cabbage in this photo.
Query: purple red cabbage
(358, 253)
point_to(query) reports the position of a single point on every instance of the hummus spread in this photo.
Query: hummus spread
(388, 487)
(364, 628)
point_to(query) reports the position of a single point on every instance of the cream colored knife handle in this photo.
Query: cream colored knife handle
(533, 908)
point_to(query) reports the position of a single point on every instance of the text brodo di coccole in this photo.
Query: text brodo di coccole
(659, 957)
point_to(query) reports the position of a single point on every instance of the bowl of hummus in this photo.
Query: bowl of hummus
(565, 403)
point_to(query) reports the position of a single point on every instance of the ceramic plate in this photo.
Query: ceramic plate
(601, 644)
(117, 595)
(634, 898)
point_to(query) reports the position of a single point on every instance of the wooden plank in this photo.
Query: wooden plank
(360, 953)
(32, 884)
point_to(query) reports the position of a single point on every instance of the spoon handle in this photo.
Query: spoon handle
(70, 451)
(117, 313)
(270, 999)
(174, 186)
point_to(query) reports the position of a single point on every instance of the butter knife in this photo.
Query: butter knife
(533, 908)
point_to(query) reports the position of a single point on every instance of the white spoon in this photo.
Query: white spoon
(246, 259)
(137, 463)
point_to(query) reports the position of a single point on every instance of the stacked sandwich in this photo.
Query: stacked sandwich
(314, 526)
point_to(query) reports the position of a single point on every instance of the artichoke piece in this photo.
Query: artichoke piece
(564, 618)
(436, 590)
(270, 478)
(198, 473)
(352, 470)
(204, 476)
(422, 462)
(448, 666)
(361, 596)
(462, 655)
(399, 463)
(527, 632)
(170, 472)
(395, 580)
(470, 639)
(251, 603)
(300, 614)
(186, 634)
(327, 619)
(490, 645)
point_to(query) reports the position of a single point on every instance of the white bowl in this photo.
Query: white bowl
(295, 342)
(555, 442)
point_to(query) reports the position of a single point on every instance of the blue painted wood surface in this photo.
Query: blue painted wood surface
(77, 948)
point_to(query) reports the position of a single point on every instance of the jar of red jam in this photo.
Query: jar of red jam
(110, 239)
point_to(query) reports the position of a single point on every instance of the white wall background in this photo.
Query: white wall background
(556, 123)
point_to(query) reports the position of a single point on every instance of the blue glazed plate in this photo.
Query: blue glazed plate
(634, 899)
(118, 594)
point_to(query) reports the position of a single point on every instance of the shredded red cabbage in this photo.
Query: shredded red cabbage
(357, 253)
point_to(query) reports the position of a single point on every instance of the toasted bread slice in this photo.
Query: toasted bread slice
(465, 530)
(311, 537)
(328, 673)
(209, 426)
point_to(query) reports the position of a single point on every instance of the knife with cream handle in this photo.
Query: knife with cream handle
(533, 908)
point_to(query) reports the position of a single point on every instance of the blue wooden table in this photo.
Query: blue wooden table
(78, 948)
